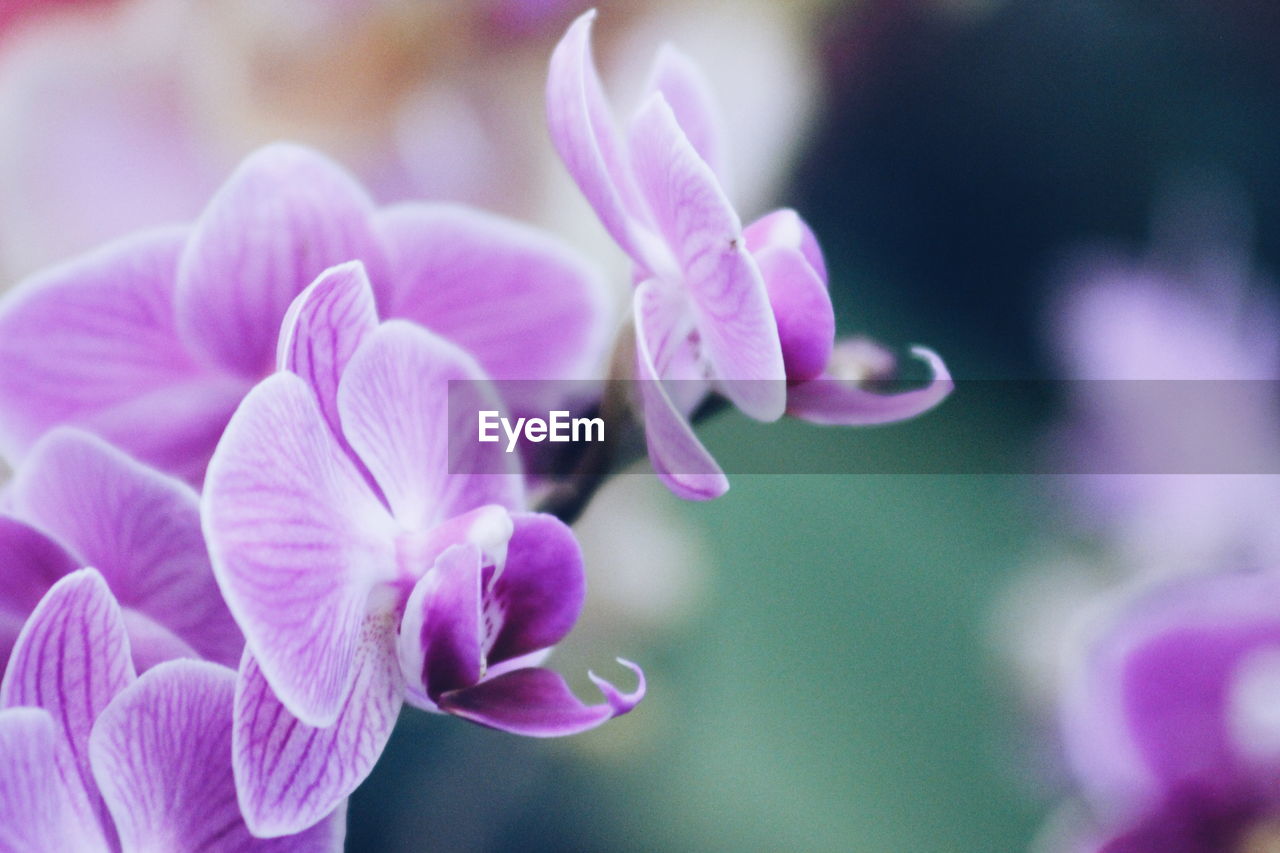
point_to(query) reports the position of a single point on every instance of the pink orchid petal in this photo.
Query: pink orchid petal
(31, 563)
(686, 90)
(587, 139)
(139, 527)
(726, 292)
(538, 703)
(679, 458)
(785, 228)
(298, 542)
(802, 307)
(72, 659)
(84, 340)
(541, 588)
(291, 775)
(837, 401)
(162, 758)
(285, 216)
(442, 635)
(323, 328)
(412, 427)
(454, 264)
(41, 808)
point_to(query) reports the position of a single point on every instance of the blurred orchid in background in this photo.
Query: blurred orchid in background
(1171, 721)
(92, 757)
(151, 341)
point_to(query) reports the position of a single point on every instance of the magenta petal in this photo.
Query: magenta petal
(802, 307)
(138, 527)
(395, 404)
(785, 228)
(839, 402)
(538, 703)
(726, 292)
(162, 757)
(454, 264)
(89, 337)
(72, 659)
(442, 636)
(679, 458)
(31, 563)
(587, 139)
(298, 543)
(40, 808)
(686, 90)
(286, 215)
(291, 775)
(324, 327)
(541, 588)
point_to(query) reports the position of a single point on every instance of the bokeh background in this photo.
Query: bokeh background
(828, 658)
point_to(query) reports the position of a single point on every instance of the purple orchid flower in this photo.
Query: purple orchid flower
(745, 313)
(76, 501)
(1172, 723)
(95, 758)
(152, 341)
(370, 562)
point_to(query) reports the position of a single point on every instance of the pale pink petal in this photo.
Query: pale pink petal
(526, 305)
(687, 91)
(784, 227)
(30, 563)
(324, 327)
(291, 775)
(677, 455)
(40, 807)
(162, 757)
(72, 659)
(139, 527)
(587, 139)
(727, 295)
(408, 403)
(83, 342)
(298, 542)
(286, 215)
(837, 400)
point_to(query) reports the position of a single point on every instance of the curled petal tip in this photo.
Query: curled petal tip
(621, 702)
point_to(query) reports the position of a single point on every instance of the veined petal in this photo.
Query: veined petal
(30, 563)
(687, 92)
(72, 659)
(89, 336)
(679, 458)
(291, 775)
(324, 327)
(726, 292)
(138, 527)
(540, 591)
(286, 215)
(416, 433)
(836, 400)
(162, 757)
(802, 308)
(538, 703)
(587, 139)
(40, 808)
(298, 541)
(455, 264)
(442, 636)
